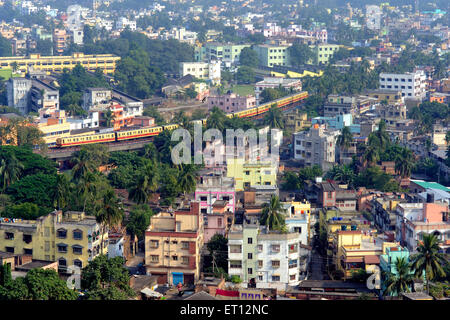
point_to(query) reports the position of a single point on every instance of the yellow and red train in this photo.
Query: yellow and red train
(256, 112)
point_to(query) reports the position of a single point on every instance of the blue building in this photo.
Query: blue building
(338, 122)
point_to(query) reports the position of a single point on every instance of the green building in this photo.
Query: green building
(323, 52)
(228, 53)
(270, 55)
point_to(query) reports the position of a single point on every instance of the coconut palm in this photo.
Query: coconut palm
(82, 164)
(146, 183)
(10, 170)
(370, 156)
(404, 162)
(216, 119)
(344, 140)
(379, 138)
(342, 173)
(62, 191)
(274, 118)
(109, 213)
(109, 117)
(401, 281)
(271, 215)
(187, 176)
(87, 187)
(428, 260)
(447, 137)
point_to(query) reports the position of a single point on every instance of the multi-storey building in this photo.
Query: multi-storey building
(231, 102)
(227, 53)
(411, 85)
(124, 23)
(202, 70)
(53, 124)
(340, 104)
(172, 245)
(248, 174)
(18, 94)
(270, 55)
(60, 37)
(323, 52)
(102, 98)
(70, 239)
(315, 146)
(43, 95)
(276, 82)
(263, 259)
(297, 218)
(106, 62)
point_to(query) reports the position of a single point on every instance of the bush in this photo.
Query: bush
(236, 279)
(437, 291)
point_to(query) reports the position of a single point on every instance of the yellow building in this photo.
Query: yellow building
(70, 239)
(173, 245)
(106, 62)
(251, 174)
(54, 127)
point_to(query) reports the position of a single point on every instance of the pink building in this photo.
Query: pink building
(232, 102)
(219, 221)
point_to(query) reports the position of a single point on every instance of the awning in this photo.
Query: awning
(151, 293)
(354, 259)
(372, 259)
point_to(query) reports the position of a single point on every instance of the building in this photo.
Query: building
(297, 218)
(271, 55)
(123, 23)
(228, 53)
(106, 62)
(202, 70)
(101, 98)
(388, 262)
(172, 246)
(18, 94)
(411, 85)
(331, 195)
(53, 124)
(60, 38)
(315, 146)
(416, 219)
(275, 82)
(43, 96)
(231, 102)
(296, 120)
(373, 17)
(70, 239)
(248, 175)
(391, 96)
(338, 122)
(263, 259)
(340, 104)
(323, 52)
(383, 212)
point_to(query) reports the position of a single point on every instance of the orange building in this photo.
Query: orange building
(60, 40)
(439, 97)
(119, 118)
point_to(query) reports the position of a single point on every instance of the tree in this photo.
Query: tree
(62, 192)
(139, 220)
(82, 164)
(345, 139)
(37, 188)
(245, 75)
(106, 278)
(400, 282)
(371, 156)
(271, 215)
(187, 178)
(274, 118)
(404, 163)
(5, 47)
(300, 54)
(428, 260)
(216, 119)
(109, 213)
(270, 94)
(146, 184)
(248, 57)
(218, 249)
(109, 117)
(10, 170)
(342, 173)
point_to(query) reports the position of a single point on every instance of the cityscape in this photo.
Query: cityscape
(236, 151)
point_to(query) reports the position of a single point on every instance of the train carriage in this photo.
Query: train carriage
(138, 133)
(85, 139)
(170, 127)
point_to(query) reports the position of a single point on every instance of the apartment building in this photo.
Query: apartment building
(70, 239)
(172, 246)
(323, 52)
(340, 104)
(106, 62)
(18, 94)
(416, 219)
(263, 259)
(202, 70)
(248, 174)
(315, 146)
(228, 53)
(391, 96)
(53, 124)
(124, 23)
(271, 55)
(411, 84)
(43, 95)
(231, 102)
(60, 38)
(297, 218)
(102, 98)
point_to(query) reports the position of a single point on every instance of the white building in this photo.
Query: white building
(90, 121)
(124, 23)
(317, 146)
(202, 70)
(373, 17)
(74, 17)
(115, 246)
(411, 85)
(18, 93)
(275, 82)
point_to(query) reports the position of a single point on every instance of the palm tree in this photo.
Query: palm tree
(109, 213)
(371, 155)
(404, 162)
(87, 187)
(428, 260)
(274, 118)
(379, 138)
(344, 140)
(146, 184)
(187, 177)
(10, 170)
(271, 215)
(216, 119)
(62, 191)
(343, 174)
(82, 164)
(400, 282)
(447, 137)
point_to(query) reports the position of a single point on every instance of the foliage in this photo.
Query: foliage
(152, 111)
(296, 181)
(37, 188)
(139, 220)
(248, 57)
(218, 249)
(375, 178)
(5, 47)
(245, 75)
(271, 214)
(26, 211)
(401, 281)
(274, 118)
(236, 279)
(300, 54)
(360, 276)
(270, 94)
(106, 278)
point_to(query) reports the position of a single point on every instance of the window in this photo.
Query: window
(247, 173)
(62, 247)
(184, 244)
(154, 258)
(260, 263)
(62, 262)
(292, 277)
(9, 236)
(236, 264)
(250, 256)
(219, 222)
(260, 278)
(61, 233)
(293, 263)
(28, 251)
(76, 249)
(293, 248)
(185, 260)
(235, 249)
(250, 271)
(154, 244)
(276, 248)
(9, 249)
(260, 247)
(77, 234)
(174, 242)
(275, 263)
(275, 278)
(174, 258)
(249, 240)
(78, 263)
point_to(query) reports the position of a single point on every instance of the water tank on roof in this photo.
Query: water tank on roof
(339, 218)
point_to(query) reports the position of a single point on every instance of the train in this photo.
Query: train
(256, 112)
